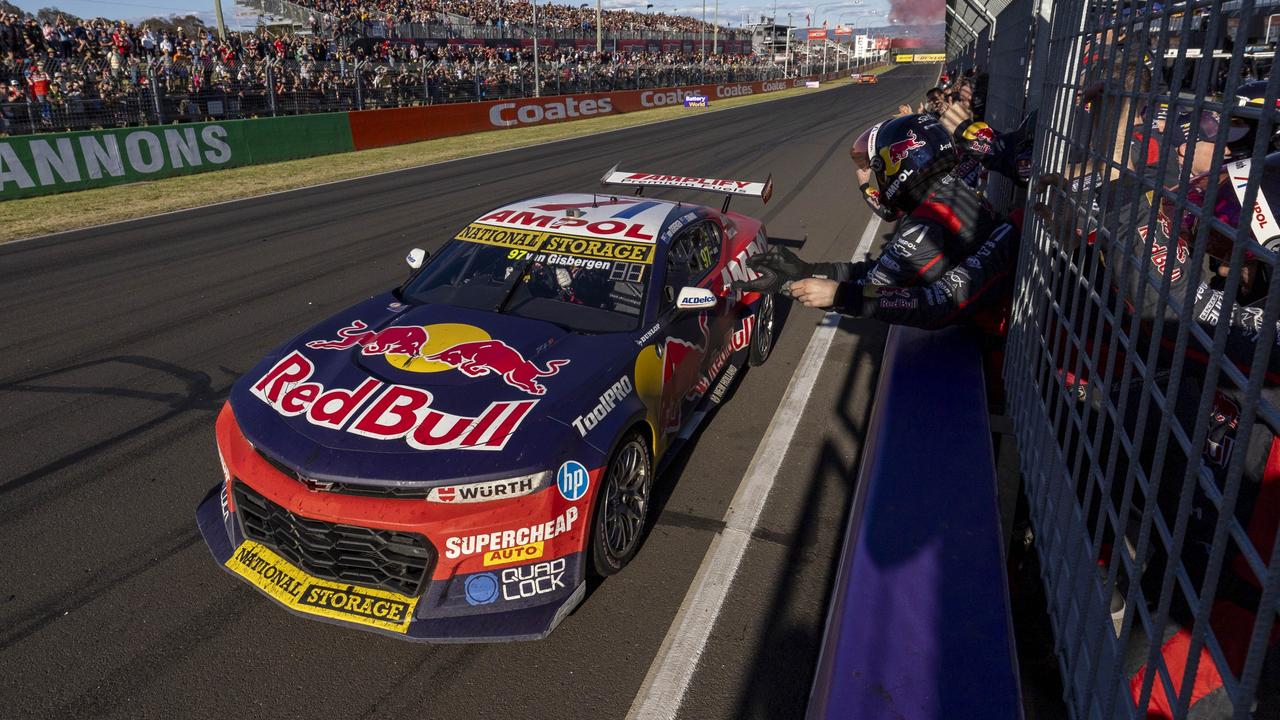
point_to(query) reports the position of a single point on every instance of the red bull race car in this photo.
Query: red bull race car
(451, 460)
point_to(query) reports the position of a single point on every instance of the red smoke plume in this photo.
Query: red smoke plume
(916, 12)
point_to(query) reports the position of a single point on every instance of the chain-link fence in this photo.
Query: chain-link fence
(81, 95)
(1140, 370)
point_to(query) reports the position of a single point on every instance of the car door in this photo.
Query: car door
(692, 337)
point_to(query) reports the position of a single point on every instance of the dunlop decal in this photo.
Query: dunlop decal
(556, 244)
(295, 589)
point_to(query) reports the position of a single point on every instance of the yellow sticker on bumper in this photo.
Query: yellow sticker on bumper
(532, 551)
(295, 589)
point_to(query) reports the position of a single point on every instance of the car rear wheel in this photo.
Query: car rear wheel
(622, 506)
(762, 340)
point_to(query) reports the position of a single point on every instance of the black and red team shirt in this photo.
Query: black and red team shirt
(944, 257)
(1144, 249)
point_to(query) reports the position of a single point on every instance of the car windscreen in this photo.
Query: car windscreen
(582, 284)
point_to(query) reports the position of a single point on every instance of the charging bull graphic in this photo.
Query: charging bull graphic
(899, 151)
(481, 357)
(394, 340)
(472, 357)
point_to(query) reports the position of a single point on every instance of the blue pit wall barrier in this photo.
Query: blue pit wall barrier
(919, 625)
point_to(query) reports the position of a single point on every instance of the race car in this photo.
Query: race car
(868, 79)
(451, 460)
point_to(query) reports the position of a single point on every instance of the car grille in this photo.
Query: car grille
(395, 561)
(346, 488)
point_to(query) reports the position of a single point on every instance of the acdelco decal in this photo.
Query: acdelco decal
(456, 547)
(395, 411)
(510, 114)
(296, 589)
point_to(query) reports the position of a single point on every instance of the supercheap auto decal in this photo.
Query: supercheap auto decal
(292, 587)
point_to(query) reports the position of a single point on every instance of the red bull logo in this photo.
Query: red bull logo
(895, 153)
(383, 411)
(480, 358)
(394, 340)
(446, 346)
(980, 131)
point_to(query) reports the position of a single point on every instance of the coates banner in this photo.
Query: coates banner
(817, 34)
(393, 126)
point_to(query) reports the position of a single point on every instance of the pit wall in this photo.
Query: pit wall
(34, 165)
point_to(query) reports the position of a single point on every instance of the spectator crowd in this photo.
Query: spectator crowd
(343, 15)
(63, 73)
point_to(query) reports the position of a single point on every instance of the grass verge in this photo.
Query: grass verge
(30, 217)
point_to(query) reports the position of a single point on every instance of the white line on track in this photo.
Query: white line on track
(664, 686)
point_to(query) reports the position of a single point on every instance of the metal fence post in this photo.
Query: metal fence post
(156, 99)
(271, 90)
(359, 82)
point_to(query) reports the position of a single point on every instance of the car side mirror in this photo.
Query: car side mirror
(416, 257)
(695, 298)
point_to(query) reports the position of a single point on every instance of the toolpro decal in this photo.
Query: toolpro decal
(485, 491)
(445, 346)
(572, 479)
(456, 547)
(605, 405)
(383, 411)
(296, 589)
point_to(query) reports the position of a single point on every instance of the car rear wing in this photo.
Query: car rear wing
(729, 188)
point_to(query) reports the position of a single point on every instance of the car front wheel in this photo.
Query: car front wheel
(622, 506)
(762, 340)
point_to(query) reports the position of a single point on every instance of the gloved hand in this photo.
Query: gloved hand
(778, 267)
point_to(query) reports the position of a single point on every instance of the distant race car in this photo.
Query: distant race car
(450, 460)
(868, 79)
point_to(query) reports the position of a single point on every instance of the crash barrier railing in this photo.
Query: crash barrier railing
(1140, 370)
(918, 626)
(86, 95)
(60, 162)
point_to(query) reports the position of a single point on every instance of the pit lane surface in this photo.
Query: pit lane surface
(118, 346)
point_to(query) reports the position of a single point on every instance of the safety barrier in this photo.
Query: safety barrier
(62, 162)
(1141, 366)
(918, 627)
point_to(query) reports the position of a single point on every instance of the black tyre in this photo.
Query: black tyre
(762, 340)
(622, 506)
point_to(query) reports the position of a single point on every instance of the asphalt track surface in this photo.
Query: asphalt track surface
(118, 346)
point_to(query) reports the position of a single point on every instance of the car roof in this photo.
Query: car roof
(600, 215)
